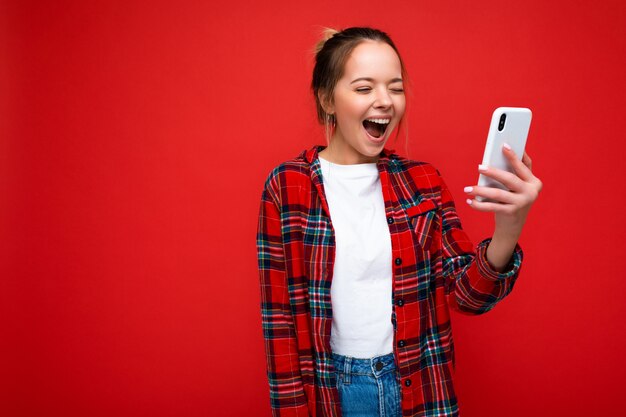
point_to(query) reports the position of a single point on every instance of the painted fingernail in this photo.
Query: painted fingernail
(482, 167)
(506, 145)
(468, 189)
(468, 201)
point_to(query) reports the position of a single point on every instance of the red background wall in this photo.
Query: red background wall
(134, 141)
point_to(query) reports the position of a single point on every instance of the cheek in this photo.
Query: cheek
(400, 105)
(351, 112)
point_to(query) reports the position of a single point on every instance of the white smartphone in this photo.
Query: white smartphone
(508, 125)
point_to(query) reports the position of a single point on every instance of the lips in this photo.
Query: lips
(376, 125)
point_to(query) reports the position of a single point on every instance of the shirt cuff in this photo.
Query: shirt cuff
(511, 270)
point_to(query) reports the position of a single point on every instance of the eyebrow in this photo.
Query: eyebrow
(395, 80)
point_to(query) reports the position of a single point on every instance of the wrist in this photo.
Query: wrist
(501, 249)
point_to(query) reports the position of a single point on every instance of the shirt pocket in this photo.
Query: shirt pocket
(424, 221)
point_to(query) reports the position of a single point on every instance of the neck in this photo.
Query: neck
(339, 152)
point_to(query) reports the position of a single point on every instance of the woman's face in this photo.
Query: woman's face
(368, 103)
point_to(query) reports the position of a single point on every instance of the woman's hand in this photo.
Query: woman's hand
(510, 207)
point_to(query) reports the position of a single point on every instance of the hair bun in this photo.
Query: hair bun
(327, 33)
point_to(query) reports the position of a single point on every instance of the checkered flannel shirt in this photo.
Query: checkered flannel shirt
(435, 267)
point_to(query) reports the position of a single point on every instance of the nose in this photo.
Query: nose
(383, 99)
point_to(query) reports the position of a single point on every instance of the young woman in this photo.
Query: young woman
(361, 253)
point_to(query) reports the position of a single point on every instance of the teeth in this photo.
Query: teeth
(380, 121)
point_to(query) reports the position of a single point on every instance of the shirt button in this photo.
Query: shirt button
(398, 261)
(399, 302)
(390, 220)
(379, 366)
(402, 343)
(407, 383)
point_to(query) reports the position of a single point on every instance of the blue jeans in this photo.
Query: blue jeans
(368, 387)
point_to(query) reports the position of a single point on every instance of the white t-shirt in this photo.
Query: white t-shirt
(362, 275)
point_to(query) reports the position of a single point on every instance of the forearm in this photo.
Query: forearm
(501, 248)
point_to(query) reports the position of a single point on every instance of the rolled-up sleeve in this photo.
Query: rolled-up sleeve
(473, 286)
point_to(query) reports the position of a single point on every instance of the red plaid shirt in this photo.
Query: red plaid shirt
(435, 267)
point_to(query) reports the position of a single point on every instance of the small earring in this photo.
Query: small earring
(331, 119)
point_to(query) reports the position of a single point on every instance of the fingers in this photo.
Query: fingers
(522, 187)
(521, 169)
(527, 161)
(508, 179)
(496, 195)
(491, 206)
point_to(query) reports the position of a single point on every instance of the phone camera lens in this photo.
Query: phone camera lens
(502, 120)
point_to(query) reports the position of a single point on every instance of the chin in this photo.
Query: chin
(372, 152)
(375, 148)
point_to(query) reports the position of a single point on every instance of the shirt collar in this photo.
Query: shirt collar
(310, 155)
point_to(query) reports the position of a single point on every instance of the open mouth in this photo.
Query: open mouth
(376, 127)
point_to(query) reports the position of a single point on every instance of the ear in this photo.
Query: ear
(327, 104)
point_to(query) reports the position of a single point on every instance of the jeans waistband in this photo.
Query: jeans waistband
(373, 366)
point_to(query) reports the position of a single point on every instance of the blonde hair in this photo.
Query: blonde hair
(326, 34)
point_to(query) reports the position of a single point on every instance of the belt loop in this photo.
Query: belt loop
(347, 369)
